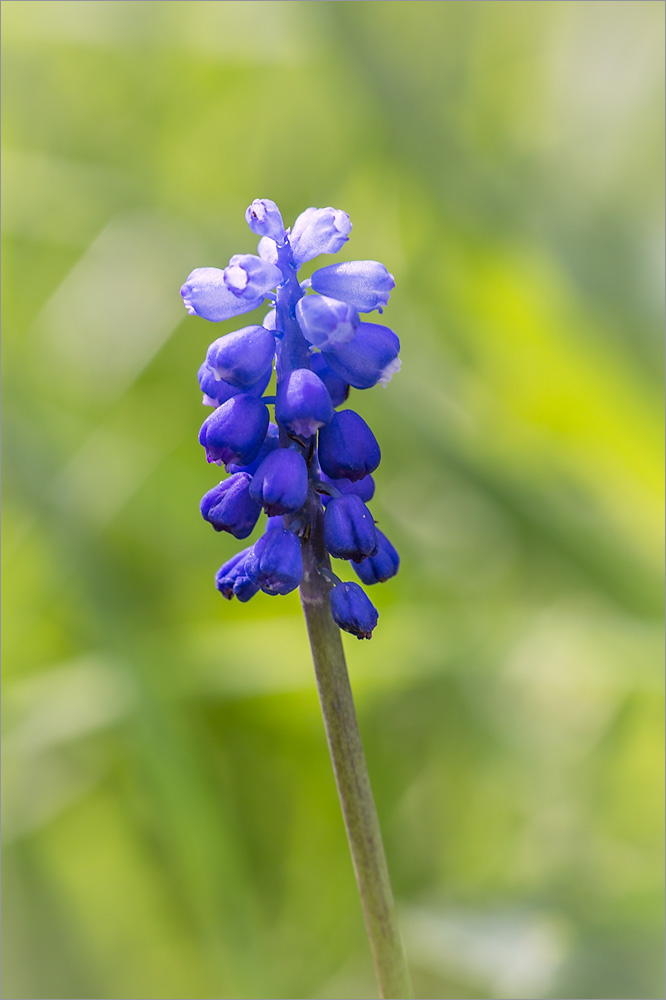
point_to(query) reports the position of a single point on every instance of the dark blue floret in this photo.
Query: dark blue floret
(232, 580)
(370, 357)
(216, 391)
(276, 564)
(380, 567)
(353, 610)
(280, 484)
(363, 488)
(235, 431)
(303, 403)
(338, 389)
(347, 447)
(244, 357)
(349, 530)
(229, 506)
(271, 442)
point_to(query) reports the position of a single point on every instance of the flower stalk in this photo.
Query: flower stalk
(351, 773)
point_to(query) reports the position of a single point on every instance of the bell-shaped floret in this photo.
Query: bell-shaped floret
(244, 357)
(326, 322)
(270, 443)
(263, 217)
(380, 567)
(370, 357)
(235, 431)
(353, 610)
(216, 391)
(338, 389)
(249, 277)
(229, 506)
(302, 403)
(280, 484)
(318, 230)
(363, 488)
(276, 564)
(364, 284)
(349, 530)
(232, 580)
(205, 294)
(347, 447)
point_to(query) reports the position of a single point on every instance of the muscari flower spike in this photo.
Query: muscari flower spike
(313, 453)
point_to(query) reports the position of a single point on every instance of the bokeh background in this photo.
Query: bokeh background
(170, 818)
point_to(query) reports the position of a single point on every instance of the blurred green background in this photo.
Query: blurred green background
(170, 818)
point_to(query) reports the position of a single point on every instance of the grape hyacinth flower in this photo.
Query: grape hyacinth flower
(310, 470)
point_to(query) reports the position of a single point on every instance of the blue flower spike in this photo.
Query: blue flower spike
(310, 469)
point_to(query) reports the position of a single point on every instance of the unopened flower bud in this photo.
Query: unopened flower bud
(381, 566)
(326, 322)
(270, 443)
(234, 432)
(249, 277)
(319, 230)
(232, 580)
(280, 484)
(364, 284)
(205, 294)
(349, 530)
(338, 389)
(353, 610)
(302, 403)
(369, 358)
(276, 564)
(363, 488)
(347, 447)
(244, 357)
(216, 391)
(229, 506)
(263, 217)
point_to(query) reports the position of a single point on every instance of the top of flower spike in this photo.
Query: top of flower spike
(217, 294)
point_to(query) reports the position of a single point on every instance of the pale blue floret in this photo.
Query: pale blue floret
(205, 294)
(264, 218)
(318, 230)
(363, 284)
(249, 277)
(326, 322)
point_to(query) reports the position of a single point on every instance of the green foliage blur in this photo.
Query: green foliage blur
(170, 818)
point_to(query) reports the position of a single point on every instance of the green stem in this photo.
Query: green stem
(351, 773)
